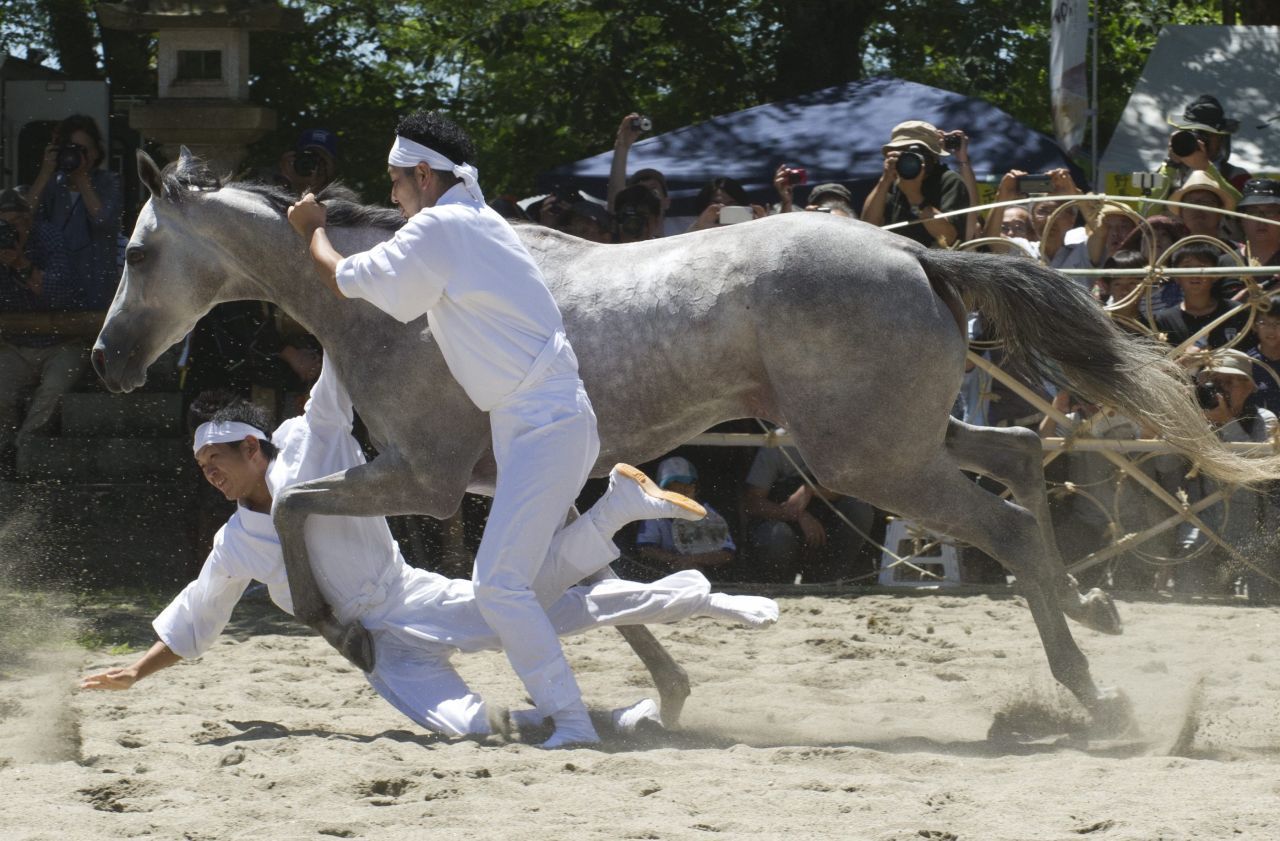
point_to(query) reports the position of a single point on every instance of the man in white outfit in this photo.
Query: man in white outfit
(501, 333)
(417, 619)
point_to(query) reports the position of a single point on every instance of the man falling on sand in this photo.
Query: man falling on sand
(417, 619)
(501, 333)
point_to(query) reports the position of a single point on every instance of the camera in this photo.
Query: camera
(796, 175)
(909, 165)
(1183, 142)
(8, 236)
(1034, 184)
(641, 123)
(951, 142)
(70, 156)
(633, 222)
(732, 214)
(1207, 394)
(1147, 181)
(305, 162)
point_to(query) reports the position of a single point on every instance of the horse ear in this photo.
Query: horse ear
(149, 174)
(184, 157)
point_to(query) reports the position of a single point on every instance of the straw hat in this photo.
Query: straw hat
(1201, 180)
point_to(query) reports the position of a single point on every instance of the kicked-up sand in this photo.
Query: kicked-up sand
(856, 717)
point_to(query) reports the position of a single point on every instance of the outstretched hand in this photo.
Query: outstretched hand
(307, 215)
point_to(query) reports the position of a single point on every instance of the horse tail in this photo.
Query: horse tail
(1051, 326)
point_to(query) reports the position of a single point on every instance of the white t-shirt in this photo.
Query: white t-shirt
(485, 299)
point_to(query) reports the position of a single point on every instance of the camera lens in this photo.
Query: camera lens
(909, 165)
(1183, 143)
(69, 157)
(304, 163)
(642, 124)
(951, 142)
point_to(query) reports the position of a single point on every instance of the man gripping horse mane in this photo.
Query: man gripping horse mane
(501, 333)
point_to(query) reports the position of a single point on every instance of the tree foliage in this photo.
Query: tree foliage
(539, 82)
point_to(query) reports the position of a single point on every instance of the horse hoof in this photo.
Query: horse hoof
(357, 646)
(1095, 610)
(1112, 715)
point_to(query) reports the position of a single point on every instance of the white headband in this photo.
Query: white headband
(226, 432)
(406, 152)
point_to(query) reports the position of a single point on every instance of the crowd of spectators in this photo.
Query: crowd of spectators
(60, 246)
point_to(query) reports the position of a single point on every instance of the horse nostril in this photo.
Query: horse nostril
(99, 358)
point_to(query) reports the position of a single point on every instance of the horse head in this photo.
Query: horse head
(176, 269)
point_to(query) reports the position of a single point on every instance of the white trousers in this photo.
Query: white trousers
(417, 678)
(544, 444)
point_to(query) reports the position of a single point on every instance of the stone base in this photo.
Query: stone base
(218, 132)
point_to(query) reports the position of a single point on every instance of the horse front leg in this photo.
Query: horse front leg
(369, 490)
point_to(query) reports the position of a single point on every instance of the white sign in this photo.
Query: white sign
(1067, 79)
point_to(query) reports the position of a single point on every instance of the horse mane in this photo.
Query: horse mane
(190, 174)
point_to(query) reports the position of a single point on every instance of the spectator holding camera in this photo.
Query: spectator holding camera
(629, 131)
(1201, 142)
(723, 201)
(823, 198)
(637, 214)
(590, 221)
(1226, 391)
(35, 276)
(82, 200)
(915, 186)
(312, 163)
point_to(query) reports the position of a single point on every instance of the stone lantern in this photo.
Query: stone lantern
(203, 69)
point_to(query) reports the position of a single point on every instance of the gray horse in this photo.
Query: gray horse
(850, 337)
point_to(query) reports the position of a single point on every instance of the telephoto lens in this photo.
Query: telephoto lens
(909, 165)
(305, 162)
(1183, 143)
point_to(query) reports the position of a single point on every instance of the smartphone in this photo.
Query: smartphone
(732, 214)
(1031, 184)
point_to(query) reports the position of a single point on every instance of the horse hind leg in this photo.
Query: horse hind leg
(939, 497)
(1013, 456)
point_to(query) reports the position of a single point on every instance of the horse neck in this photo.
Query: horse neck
(286, 277)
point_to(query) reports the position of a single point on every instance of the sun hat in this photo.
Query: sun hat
(1201, 180)
(915, 133)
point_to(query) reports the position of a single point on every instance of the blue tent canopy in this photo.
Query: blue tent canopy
(835, 133)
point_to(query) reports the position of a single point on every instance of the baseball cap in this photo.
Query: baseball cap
(1260, 191)
(319, 138)
(915, 133)
(676, 469)
(830, 189)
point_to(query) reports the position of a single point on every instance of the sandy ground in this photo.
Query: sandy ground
(855, 718)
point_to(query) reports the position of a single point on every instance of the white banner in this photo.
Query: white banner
(1068, 90)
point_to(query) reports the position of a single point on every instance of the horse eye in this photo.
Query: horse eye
(134, 256)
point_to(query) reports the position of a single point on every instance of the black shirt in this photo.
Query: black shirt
(1178, 326)
(944, 191)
